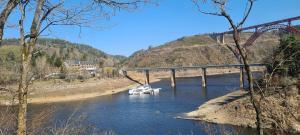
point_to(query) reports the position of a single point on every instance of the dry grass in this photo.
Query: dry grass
(201, 50)
(59, 90)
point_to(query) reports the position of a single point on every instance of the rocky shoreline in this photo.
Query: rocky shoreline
(232, 109)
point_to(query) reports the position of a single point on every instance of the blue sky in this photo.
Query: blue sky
(153, 25)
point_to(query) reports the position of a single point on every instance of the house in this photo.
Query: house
(81, 66)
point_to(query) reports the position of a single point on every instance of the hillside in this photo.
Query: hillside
(200, 50)
(49, 56)
(62, 50)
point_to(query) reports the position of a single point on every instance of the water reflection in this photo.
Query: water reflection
(174, 91)
(204, 92)
(140, 97)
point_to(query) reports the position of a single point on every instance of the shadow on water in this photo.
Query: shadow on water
(204, 92)
(153, 114)
(174, 91)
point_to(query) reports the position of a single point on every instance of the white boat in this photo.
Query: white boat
(143, 89)
(138, 90)
(135, 92)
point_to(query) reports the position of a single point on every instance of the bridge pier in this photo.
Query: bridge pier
(147, 77)
(222, 39)
(242, 78)
(204, 77)
(173, 78)
(217, 37)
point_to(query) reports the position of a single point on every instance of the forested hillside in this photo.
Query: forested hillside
(50, 54)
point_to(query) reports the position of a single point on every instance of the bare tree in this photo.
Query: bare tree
(241, 53)
(49, 13)
(8, 8)
(28, 46)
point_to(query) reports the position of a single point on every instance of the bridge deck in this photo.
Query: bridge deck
(191, 67)
(265, 24)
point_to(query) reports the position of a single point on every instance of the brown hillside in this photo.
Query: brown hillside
(200, 50)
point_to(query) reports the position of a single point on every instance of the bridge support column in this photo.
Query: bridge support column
(173, 78)
(242, 78)
(217, 37)
(147, 77)
(222, 39)
(204, 77)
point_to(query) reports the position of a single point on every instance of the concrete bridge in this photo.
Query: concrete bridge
(203, 68)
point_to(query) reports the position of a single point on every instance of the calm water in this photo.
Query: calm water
(151, 115)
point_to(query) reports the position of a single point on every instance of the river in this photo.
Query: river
(124, 114)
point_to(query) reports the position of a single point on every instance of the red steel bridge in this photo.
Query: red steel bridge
(285, 25)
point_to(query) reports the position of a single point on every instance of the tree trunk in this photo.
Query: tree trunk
(26, 63)
(11, 4)
(254, 100)
(23, 90)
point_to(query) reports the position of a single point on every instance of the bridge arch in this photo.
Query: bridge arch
(259, 31)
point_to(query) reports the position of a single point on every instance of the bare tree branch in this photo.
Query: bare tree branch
(11, 4)
(247, 13)
(120, 4)
(196, 2)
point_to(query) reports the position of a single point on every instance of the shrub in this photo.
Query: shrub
(80, 77)
(62, 76)
(10, 56)
(287, 57)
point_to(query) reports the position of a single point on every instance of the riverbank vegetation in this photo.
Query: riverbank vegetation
(278, 91)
